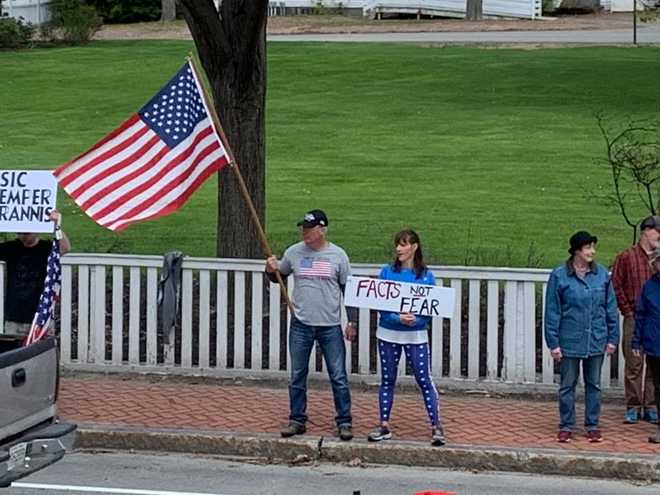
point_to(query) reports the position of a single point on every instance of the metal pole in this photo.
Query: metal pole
(634, 22)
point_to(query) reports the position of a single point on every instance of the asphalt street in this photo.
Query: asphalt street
(645, 35)
(172, 474)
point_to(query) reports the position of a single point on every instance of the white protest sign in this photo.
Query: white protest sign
(26, 200)
(399, 297)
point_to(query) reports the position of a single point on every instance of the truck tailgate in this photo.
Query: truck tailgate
(28, 381)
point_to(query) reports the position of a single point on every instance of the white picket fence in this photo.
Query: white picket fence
(233, 322)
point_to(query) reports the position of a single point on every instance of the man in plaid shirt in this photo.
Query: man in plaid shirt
(631, 270)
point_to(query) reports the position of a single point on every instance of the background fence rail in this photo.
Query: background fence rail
(232, 321)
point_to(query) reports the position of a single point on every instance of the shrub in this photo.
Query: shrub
(15, 33)
(127, 11)
(72, 21)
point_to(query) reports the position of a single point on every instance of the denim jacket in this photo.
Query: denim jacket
(581, 315)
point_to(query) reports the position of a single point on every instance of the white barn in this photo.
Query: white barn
(526, 9)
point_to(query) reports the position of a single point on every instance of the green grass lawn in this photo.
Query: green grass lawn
(493, 155)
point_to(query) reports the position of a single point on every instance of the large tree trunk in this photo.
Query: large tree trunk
(167, 10)
(232, 49)
(474, 10)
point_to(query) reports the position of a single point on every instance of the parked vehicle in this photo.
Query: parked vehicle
(31, 437)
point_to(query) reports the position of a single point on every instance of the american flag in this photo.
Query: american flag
(49, 296)
(313, 267)
(152, 163)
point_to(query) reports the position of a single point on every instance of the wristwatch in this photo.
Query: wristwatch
(352, 324)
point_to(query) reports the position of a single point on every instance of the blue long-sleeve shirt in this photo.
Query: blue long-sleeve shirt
(581, 316)
(391, 321)
(647, 318)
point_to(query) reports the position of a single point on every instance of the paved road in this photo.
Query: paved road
(139, 474)
(647, 34)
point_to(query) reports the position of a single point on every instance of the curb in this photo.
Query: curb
(640, 467)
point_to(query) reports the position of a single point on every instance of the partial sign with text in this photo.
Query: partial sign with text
(399, 297)
(26, 200)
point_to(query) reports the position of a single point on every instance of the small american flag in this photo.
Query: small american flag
(49, 296)
(313, 267)
(152, 163)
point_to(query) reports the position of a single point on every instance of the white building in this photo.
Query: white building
(34, 11)
(526, 9)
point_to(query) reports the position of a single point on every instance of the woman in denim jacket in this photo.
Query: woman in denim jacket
(581, 325)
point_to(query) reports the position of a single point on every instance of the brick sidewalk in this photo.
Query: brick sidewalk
(484, 422)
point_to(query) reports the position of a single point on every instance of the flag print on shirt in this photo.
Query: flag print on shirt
(315, 267)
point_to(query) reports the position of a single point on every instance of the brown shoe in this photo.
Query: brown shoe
(594, 436)
(345, 432)
(564, 436)
(293, 429)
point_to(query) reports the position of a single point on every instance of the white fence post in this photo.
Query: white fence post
(492, 326)
(455, 332)
(204, 313)
(117, 315)
(65, 314)
(186, 318)
(257, 311)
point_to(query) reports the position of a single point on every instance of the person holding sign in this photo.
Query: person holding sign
(581, 326)
(406, 332)
(26, 258)
(320, 270)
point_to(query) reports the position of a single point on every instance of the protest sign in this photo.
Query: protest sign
(26, 200)
(399, 297)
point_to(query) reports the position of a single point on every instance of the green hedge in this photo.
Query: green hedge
(15, 33)
(72, 21)
(126, 11)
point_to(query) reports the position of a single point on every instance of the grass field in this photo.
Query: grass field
(492, 154)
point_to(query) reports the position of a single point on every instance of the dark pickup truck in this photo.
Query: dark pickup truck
(31, 437)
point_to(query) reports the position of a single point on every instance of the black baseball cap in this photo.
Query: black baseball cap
(580, 239)
(313, 218)
(652, 222)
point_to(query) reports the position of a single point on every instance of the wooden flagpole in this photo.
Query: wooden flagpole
(265, 246)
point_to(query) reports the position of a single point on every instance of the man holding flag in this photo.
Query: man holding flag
(28, 263)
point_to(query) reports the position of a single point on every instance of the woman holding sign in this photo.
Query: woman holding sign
(406, 332)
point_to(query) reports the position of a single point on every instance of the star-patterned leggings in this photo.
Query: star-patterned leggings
(418, 357)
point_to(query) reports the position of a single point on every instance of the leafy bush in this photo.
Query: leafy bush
(126, 11)
(72, 21)
(15, 33)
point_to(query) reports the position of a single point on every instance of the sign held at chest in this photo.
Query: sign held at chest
(26, 200)
(399, 297)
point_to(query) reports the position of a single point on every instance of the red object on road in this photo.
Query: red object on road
(434, 493)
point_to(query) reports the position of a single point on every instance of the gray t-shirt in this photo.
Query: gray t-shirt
(317, 278)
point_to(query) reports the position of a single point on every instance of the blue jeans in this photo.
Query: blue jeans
(301, 343)
(569, 370)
